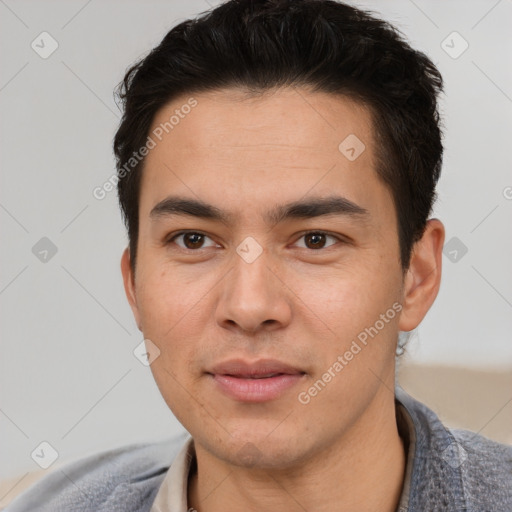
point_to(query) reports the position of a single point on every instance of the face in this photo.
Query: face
(252, 307)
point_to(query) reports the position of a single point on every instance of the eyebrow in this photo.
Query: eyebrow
(302, 209)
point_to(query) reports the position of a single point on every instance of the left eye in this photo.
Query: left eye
(317, 239)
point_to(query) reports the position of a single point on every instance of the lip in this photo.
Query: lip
(258, 381)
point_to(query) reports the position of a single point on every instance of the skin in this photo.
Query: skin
(297, 303)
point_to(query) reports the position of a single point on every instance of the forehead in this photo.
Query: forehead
(233, 147)
(292, 117)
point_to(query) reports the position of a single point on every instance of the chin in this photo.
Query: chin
(263, 453)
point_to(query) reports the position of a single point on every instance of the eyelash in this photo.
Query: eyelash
(171, 239)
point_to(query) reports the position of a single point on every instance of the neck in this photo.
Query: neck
(363, 471)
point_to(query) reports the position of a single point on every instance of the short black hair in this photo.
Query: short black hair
(324, 45)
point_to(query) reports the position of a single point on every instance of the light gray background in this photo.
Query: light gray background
(68, 374)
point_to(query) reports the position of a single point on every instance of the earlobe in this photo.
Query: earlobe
(423, 277)
(129, 285)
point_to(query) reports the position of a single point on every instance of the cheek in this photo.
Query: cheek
(164, 300)
(169, 319)
(174, 314)
(348, 323)
(347, 299)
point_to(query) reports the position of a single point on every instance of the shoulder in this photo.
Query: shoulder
(486, 469)
(455, 469)
(123, 479)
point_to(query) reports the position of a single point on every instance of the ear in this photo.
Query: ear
(129, 285)
(423, 277)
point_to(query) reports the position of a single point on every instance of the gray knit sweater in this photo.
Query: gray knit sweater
(447, 470)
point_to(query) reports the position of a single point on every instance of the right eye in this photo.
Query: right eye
(192, 240)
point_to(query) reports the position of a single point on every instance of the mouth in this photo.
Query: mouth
(260, 381)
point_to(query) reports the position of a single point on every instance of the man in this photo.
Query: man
(277, 164)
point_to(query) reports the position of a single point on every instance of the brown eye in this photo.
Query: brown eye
(316, 239)
(191, 240)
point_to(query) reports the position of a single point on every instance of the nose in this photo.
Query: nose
(254, 297)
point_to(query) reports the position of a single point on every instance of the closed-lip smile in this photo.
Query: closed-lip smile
(258, 381)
